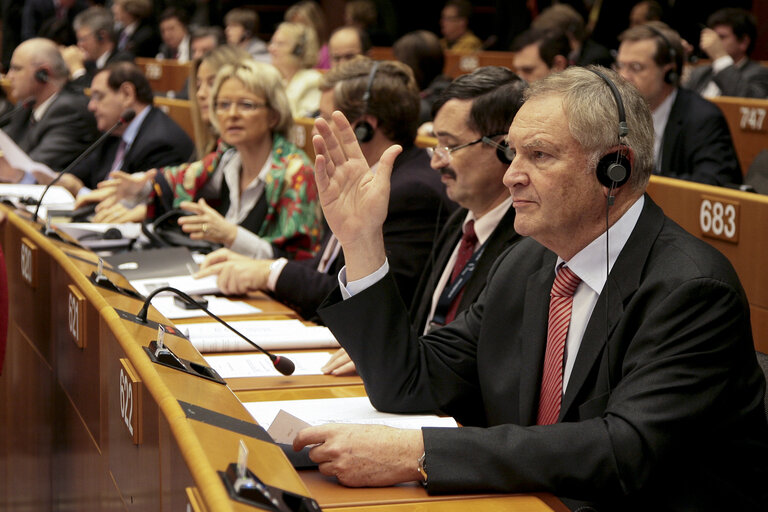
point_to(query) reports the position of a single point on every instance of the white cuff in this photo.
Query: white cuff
(354, 287)
(275, 269)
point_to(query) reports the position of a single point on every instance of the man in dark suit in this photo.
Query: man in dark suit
(37, 12)
(417, 206)
(57, 127)
(692, 137)
(95, 48)
(728, 42)
(615, 374)
(151, 140)
(175, 35)
(138, 33)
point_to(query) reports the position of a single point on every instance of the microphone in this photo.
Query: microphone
(24, 104)
(282, 364)
(125, 118)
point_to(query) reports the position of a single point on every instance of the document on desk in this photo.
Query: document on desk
(259, 365)
(17, 158)
(339, 410)
(270, 334)
(220, 306)
(187, 284)
(56, 195)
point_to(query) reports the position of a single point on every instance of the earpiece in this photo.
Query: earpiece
(614, 169)
(671, 76)
(41, 75)
(363, 129)
(503, 151)
(298, 50)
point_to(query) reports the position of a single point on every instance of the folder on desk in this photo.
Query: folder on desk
(153, 263)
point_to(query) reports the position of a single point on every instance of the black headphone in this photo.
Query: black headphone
(298, 50)
(363, 129)
(613, 170)
(503, 152)
(671, 76)
(42, 75)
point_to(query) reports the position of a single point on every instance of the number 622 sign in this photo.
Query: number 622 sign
(719, 218)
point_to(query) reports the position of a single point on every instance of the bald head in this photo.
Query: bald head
(344, 44)
(37, 69)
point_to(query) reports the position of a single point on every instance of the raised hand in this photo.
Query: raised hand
(353, 198)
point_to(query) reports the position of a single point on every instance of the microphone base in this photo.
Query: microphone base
(252, 491)
(166, 357)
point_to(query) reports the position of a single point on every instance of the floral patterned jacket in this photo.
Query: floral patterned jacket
(293, 224)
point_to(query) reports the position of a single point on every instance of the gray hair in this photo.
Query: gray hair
(593, 118)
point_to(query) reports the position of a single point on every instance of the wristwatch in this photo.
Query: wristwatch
(423, 468)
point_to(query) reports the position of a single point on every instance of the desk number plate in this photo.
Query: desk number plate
(719, 218)
(28, 261)
(130, 400)
(76, 315)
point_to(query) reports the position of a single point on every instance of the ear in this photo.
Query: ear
(128, 91)
(273, 118)
(559, 63)
(371, 120)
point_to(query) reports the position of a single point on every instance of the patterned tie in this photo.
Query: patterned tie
(466, 250)
(560, 304)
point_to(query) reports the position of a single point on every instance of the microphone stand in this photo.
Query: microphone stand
(281, 364)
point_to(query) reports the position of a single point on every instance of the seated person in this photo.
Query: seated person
(151, 139)
(175, 35)
(728, 41)
(138, 33)
(539, 53)
(692, 141)
(346, 43)
(96, 46)
(618, 375)
(416, 210)
(454, 25)
(255, 193)
(241, 27)
(294, 52)
(57, 127)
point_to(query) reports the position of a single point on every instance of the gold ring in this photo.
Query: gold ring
(204, 227)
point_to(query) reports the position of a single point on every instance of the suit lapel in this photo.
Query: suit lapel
(672, 133)
(622, 283)
(533, 336)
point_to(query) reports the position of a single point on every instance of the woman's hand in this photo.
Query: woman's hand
(207, 224)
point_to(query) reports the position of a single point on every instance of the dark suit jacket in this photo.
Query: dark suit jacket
(749, 80)
(65, 130)
(144, 42)
(697, 144)
(664, 406)
(85, 80)
(159, 142)
(502, 237)
(417, 205)
(36, 12)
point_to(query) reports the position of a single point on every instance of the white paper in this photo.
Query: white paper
(270, 334)
(259, 365)
(19, 159)
(78, 230)
(341, 410)
(187, 284)
(220, 306)
(57, 196)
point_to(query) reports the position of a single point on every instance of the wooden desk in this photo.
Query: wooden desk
(733, 222)
(178, 110)
(165, 75)
(88, 422)
(747, 122)
(456, 63)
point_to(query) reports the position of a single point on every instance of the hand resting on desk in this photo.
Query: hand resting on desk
(364, 455)
(237, 274)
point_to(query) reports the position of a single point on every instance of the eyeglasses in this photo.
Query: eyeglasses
(242, 107)
(443, 153)
(632, 67)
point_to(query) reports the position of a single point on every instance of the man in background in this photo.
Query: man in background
(346, 43)
(454, 25)
(539, 53)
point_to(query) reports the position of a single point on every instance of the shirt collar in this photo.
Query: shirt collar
(589, 263)
(485, 225)
(102, 60)
(40, 110)
(129, 135)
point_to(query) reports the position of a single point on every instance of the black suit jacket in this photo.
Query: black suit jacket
(502, 237)
(159, 142)
(417, 209)
(65, 130)
(750, 80)
(144, 42)
(697, 144)
(664, 406)
(85, 79)
(36, 12)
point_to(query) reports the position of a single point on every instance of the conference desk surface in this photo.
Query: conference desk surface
(89, 422)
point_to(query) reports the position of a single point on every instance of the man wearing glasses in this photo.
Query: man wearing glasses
(151, 140)
(692, 138)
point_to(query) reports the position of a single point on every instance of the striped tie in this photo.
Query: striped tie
(560, 304)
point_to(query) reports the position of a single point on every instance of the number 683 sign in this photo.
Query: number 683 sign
(719, 218)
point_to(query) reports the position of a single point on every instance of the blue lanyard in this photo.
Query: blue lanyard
(451, 291)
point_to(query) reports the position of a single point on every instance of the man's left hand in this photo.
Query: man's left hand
(364, 455)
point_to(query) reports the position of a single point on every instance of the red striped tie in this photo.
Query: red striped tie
(560, 304)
